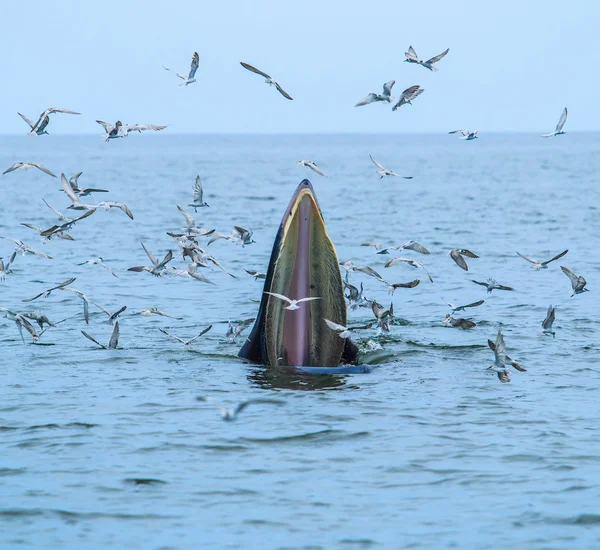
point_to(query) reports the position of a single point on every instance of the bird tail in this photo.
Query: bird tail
(434, 69)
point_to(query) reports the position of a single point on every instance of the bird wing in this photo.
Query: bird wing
(468, 253)
(254, 70)
(412, 284)
(203, 332)
(479, 283)
(114, 339)
(13, 167)
(93, 339)
(425, 270)
(436, 58)
(43, 124)
(463, 132)
(459, 260)
(557, 257)
(182, 76)
(150, 255)
(173, 336)
(376, 163)
(280, 296)
(562, 120)
(74, 179)
(21, 320)
(574, 278)
(189, 219)
(42, 168)
(377, 310)
(371, 243)
(411, 54)
(550, 316)
(141, 128)
(198, 190)
(121, 206)
(500, 351)
(529, 259)
(395, 261)
(411, 92)
(367, 99)
(335, 326)
(308, 299)
(502, 287)
(68, 189)
(282, 91)
(387, 88)
(58, 214)
(168, 257)
(415, 246)
(368, 271)
(34, 227)
(244, 233)
(474, 304)
(316, 169)
(194, 65)
(51, 110)
(26, 120)
(106, 125)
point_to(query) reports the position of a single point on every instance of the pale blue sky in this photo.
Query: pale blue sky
(512, 66)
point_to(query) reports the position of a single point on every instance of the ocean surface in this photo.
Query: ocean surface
(128, 449)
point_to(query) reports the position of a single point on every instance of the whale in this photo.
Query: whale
(303, 264)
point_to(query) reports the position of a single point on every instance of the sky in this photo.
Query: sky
(512, 66)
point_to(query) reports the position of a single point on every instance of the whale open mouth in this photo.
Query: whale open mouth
(303, 264)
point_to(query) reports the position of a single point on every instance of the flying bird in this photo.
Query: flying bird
(491, 284)
(310, 164)
(457, 255)
(190, 78)
(78, 205)
(412, 263)
(28, 166)
(345, 332)
(293, 304)
(267, 78)
(577, 282)
(26, 249)
(154, 311)
(456, 309)
(43, 119)
(385, 172)
(466, 134)
(542, 265)
(508, 358)
(112, 343)
(393, 286)
(41, 129)
(256, 274)
(235, 329)
(99, 261)
(22, 323)
(5, 267)
(47, 292)
(559, 127)
(186, 343)
(198, 201)
(407, 96)
(73, 182)
(120, 130)
(229, 414)
(409, 245)
(157, 267)
(385, 96)
(411, 57)
(549, 320)
(499, 366)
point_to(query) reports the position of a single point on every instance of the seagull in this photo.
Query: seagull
(499, 365)
(112, 343)
(190, 78)
(547, 322)
(5, 267)
(229, 414)
(26, 249)
(47, 234)
(413, 263)
(541, 265)
(86, 302)
(157, 267)
(99, 261)
(78, 205)
(456, 309)
(47, 293)
(239, 235)
(385, 96)
(385, 172)
(559, 126)
(348, 265)
(383, 316)
(128, 128)
(42, 117)
(310, 164)
(268, 79)
(191, 272)
(450, 321)
(60, 230)
(190, 222)
(40, 319)
(187, 344)
(28, 166)
(466, 134)
(235, 329)
(21, 322)
(82, 192)
(41, 129)
(491, 284)
(408, 95)
(293, 304)
(393, 286)
(112, 317)
(198, 196)
(509, 359)
(578, 283)
(345, 332)
(457, 255)
(58, 214)
(154, 311)
(256, 274)
(409, 245)
(411, 57)
(354, 296)
(112, 132)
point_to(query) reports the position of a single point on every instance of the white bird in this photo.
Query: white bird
(310, 164)
(577, 282)
(514, 364)
(345, 332)
(186, 343)
(456, 308)
(21, 322)
(385, 172)
(409, 245)
(190, 78)
(412, 263)
(47, 292)
(86, 302)
(491, 284)
(112, 343)
(267, 78)
(42, 120)
(499, 366)
(99, 261)
(466, 134)
(26, 249)
(542, 265)
(28, 166)
(120, 130)
(78, 205)
(157, 267)
(548, 321)
(411, 57)
(5, 267)
(235, 329)
(559, 126)
(293, 304)
(450, 321)
(41, 128)
(74, 183)
(154, 311)
(408, 95)
(385, 96)
(198, 197)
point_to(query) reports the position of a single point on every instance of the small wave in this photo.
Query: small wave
(328, 435)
